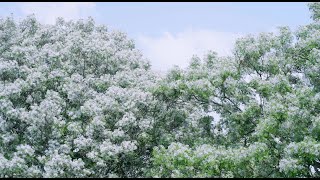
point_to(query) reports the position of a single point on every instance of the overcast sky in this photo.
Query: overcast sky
(170, 33)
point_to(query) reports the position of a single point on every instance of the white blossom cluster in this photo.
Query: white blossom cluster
(73, 100)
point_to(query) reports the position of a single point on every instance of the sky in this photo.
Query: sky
(170, 33)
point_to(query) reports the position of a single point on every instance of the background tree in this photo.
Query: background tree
(263, 104)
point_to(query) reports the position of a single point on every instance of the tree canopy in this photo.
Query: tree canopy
(79, 100)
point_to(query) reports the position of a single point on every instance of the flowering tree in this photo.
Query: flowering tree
(78, 100)
(73, 101)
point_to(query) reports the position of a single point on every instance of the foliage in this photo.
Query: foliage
(73, 101)
(78, 100)
(264, 102)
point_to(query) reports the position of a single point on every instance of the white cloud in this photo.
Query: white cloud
(47, 12)
(177, 49)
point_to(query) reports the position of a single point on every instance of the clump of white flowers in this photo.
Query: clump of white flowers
(72, 100)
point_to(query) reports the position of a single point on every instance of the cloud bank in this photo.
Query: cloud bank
(177, 49)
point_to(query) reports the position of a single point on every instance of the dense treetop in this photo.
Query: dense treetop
(79, 100)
